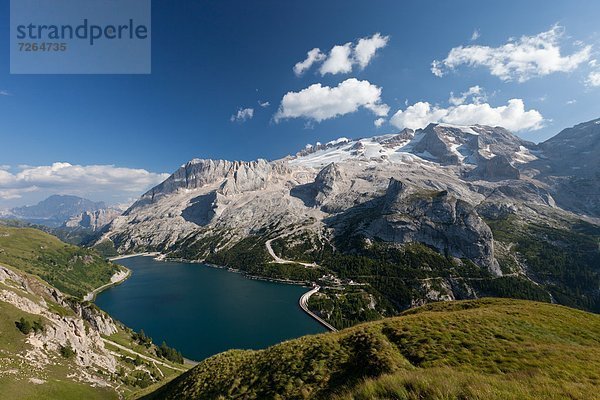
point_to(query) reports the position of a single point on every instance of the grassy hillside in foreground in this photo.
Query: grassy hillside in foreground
(477, 349)
(73, 270)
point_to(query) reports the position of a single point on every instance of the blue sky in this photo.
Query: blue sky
(211, 59)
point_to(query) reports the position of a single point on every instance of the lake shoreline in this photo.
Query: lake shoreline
(116, 279)
(302, 301)
(295, 324)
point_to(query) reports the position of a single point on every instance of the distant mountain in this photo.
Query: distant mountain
(574, 151)
(571, 167)
(441, 213)
(56, 209)
(92, 220)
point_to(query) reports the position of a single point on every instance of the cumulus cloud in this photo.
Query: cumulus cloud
(106, 181)
(242, 115)
(313, 56)
(519, 59)
(342, 58)
(476, 35)
(338, 61)
(264, 104)
(367, 47)
(319, 103)
(512, 116)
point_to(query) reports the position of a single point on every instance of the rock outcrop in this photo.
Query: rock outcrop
(437, 219)
(494, 169)
(60, 330)
(93, 220)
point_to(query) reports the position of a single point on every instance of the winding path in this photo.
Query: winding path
(154, 253)
(279, 260)
(154, 360)
(303, 301)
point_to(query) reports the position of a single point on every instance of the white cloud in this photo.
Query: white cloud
(367, 47)
(475, 94)
(379, 122)
(319, 103)
(242, 115)
(436, 68)
(520, 59)
(476, 35)
(5, 176)
(338, 61)
(593, 79)
(573, 101)
(511, 116)
(4, 93)
(106, 181)
(419, 115)
(264, 104)
(312, 57)
(342, 58)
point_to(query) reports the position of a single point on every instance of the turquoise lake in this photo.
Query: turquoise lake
(202, 311)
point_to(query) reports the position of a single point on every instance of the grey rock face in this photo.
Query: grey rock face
(329, 181)
(233, 176)
(404, 135)
(453, 145)
(495, 168)
(436, 141)
(496, 211)
(436, 219)
(201, 209)
(93, 220)
(574, 151)
(570, 166)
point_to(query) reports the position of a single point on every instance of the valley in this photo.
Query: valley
(275, 200)
(386, 223)
(382, 229)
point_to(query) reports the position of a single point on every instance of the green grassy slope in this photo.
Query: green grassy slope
(21, 379)
(73, 270)
(31, 255)
(478, 349)
(564, 259)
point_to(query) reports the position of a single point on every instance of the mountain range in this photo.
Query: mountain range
(56, 210)
(501, 213)
(383, 226)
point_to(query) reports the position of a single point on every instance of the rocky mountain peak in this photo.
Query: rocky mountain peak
(455, 145)
(233, 177)
(496, 168)
(93, 220)
(574, 151)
